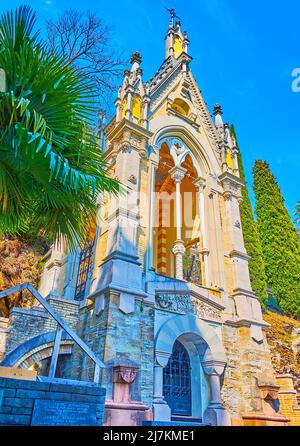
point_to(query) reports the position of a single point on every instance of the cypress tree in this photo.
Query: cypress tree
(251, 238)
(279, 239)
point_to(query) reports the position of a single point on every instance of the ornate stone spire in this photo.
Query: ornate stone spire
(176, 41)
(136, 58)
(172, 16)
(218, 112)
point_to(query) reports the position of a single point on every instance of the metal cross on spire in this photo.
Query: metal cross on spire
(173, 15)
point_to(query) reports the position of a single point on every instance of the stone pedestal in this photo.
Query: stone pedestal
(216, 415)
(123, 377)
(270, 414)
(122, 411)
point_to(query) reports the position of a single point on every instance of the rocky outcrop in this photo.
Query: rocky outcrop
(283, 337)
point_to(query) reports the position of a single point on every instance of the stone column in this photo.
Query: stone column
(161, 410)
(118, 104)
(223, 158)
(215, 389)
(235, 161)
(52, 277)
(150, 238)
(145, 109)
(200, 184)
(215, 414)
(128, 113)
(214, 231)
(177, 174)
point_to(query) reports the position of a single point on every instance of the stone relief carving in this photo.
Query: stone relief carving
(132, 179)
(124, 374)
(184, 303)
(237, 224)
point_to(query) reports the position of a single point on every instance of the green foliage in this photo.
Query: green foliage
(251, 239)
(279, 239)
(51, 168)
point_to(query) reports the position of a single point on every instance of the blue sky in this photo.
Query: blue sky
(244, 54)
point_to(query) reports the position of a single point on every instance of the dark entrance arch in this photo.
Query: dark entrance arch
(177, 381)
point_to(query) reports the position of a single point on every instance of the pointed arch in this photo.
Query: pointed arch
(171, 126)
(179, 151)
(137, 107)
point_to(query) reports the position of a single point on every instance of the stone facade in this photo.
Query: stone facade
(155, 284)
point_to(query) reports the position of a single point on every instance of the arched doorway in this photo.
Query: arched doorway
(177, 381)
(207, 364)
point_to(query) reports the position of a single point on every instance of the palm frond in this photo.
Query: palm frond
(51, 168)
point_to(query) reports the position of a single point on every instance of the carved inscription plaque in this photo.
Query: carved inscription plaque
(63, 413)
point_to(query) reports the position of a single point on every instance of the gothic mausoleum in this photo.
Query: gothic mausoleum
(157, 308)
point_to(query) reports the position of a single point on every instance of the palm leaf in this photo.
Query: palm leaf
(51, 168)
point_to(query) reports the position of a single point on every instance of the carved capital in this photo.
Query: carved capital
(227, 195)
(177, 174)
(268, 392)
(200, 184)
(178, 247)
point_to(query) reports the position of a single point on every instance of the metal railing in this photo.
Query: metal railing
(61, 326)
(192, 270)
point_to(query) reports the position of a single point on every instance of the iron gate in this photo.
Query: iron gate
(177, 381)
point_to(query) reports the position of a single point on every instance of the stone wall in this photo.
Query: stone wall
(248, 365)
(19, 401)
(288, 399)
(26, 324)
(116, 337)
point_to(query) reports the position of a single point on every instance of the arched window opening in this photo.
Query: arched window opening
(229, 159)
(180, 106)
(165, 230)
(137, 108)
(124, 108)
(177, 381)
(85, 263)
(178, 46)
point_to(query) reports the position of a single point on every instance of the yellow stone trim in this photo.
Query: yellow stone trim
(178, 47)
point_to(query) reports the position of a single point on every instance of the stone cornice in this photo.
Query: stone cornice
(124, 125)
(249, 293)
(116, 291)
(240, 254)
(120, 212)
(246, 323)
(208, 300)
(230, 178)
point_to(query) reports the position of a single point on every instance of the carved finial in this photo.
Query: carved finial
(218, 110)
(136, 57)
